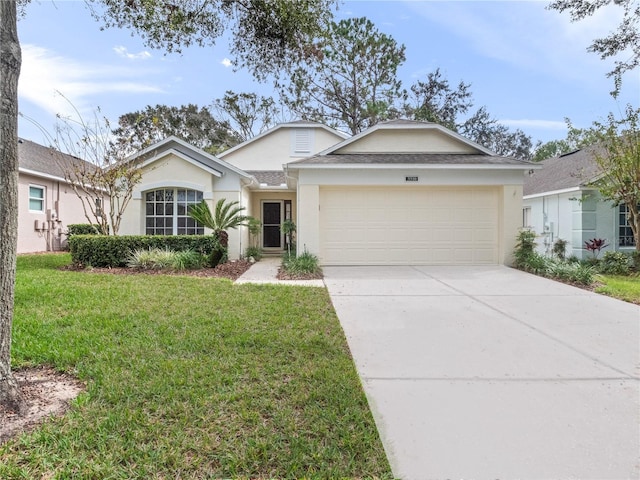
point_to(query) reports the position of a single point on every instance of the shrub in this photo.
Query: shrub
(306, 263)
(152, 259)
(255, 252)
(570, 272)
(560, 248)
(188, 260)
(614, 263)
(83, 229)
(114, 251)
(525, 248)
(635, 260)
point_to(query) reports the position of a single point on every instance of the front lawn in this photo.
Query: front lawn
(625, 288)
(189, 378)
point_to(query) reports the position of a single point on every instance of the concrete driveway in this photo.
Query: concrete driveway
(492, 373)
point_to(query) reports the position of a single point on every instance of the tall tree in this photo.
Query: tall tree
(247, 114)
(625, 38)
(619, 163)
(264, 34)
(10, 60)
(576, 139)
(486, 130)
(193, 124)
(434, 100)
(349, 81)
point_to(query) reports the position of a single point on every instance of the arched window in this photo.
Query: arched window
(167, 212)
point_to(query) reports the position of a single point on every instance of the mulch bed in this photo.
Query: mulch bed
(282, 275)
(231, 270)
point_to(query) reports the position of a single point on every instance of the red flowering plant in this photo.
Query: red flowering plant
(595, 245)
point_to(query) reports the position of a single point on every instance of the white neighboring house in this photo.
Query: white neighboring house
(46, 202)
(402, 192)
(560, 201)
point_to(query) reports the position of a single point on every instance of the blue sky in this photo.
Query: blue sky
(528, 65)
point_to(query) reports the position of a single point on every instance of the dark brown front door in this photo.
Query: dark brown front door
(271, 221)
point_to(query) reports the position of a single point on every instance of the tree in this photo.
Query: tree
(247, 114)
(349, 81)
(264, 34)
(227, 215)
(10, 59)
(482, 128)
(97, 170)
(625, 38)
(577, 138)
(193, 124)
(619, 163)
(435, 101)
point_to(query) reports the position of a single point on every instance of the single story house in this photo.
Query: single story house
(402, 192)
(46, 201)
(561, 202)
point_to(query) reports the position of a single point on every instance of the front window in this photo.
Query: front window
(167, 212)
(36, 198)
(625, 234)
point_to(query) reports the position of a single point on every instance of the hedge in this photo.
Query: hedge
(113, 251)
(83, 229)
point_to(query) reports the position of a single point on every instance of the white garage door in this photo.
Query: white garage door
(412, 225)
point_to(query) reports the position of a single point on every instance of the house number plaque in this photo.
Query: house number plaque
(411, 179)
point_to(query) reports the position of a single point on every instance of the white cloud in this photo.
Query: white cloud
(124, 53)
(226, 62)
(44, 73)
(527, 35)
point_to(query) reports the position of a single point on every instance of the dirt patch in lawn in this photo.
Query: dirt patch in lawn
(231, 270)
(46, 392)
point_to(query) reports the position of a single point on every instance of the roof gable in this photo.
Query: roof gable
(290, 125)
(175, 146)
(407, 136)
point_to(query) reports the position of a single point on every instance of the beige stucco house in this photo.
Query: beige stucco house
(46, 202)
(402, 192)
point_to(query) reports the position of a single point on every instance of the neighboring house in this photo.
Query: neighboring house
(402, 192)
(46, 202)
(560, 201)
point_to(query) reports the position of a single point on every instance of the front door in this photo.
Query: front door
(271, 221)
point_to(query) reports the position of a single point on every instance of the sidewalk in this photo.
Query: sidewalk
(265, 271)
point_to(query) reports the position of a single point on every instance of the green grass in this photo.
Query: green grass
(625, 288)
(189, 378)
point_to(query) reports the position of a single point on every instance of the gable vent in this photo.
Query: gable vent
(301, 142)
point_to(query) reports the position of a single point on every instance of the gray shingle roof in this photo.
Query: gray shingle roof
(41, 159)
(570, 170)
(272, 178)
(409, 159)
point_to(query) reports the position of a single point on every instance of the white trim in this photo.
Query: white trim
(278, 127)
(184, 157)
(407, 126)
(35, 173)
(137, 193)
(403, 166)
(43, 199)
(554, 192)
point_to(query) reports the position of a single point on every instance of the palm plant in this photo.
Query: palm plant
(225, 216)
